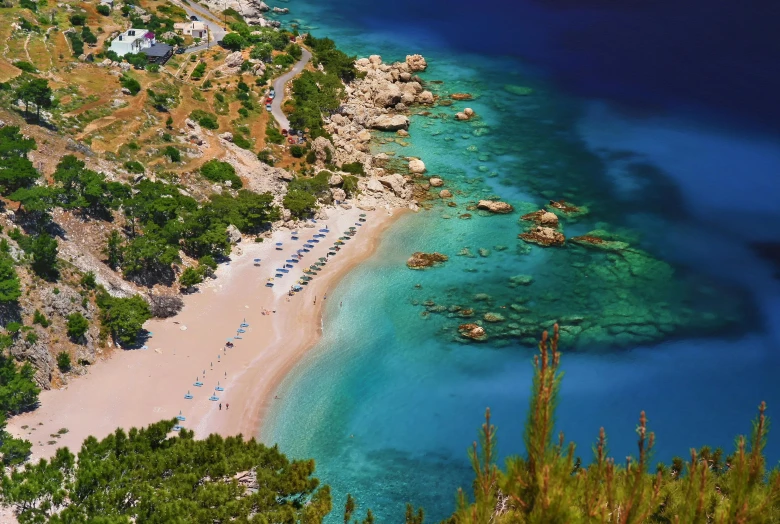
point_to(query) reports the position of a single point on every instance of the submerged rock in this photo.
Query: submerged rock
(601, 240)
(544, 236)
(420, 260)
(462, 96)
(518, 90)
(521, 280)
(493, 317)
(472, 331)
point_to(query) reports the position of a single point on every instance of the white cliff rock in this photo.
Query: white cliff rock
(416, 166)
(416, 63)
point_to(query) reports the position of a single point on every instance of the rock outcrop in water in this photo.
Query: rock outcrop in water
(420, 260)
(544, 236)
(495, 206)
(542, 218)
(472, 331)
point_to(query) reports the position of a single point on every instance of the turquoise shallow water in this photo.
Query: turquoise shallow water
(390, 399)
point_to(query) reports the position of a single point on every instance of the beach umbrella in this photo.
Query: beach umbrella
(314, 220)
(219, 388)
(180, 417)
(332, 253)
(213, 398)
(294, 232)
(362, 215)
(198, 383)
(188, 396)
(324, 230)
(322, 259)
(177, 428)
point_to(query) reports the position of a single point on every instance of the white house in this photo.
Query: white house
(194, 29)
(132, 41)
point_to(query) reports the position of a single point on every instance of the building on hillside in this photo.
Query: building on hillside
(158, 53)
(194, 29)
(109, 3)
(141, 41)
(132, 41)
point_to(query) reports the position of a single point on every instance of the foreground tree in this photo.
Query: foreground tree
(16, 170)
(144, 476)
(549, 484)
(37, 92)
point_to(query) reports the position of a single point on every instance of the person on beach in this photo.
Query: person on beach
(325, 297)
(315, 300)
(227, 407)
(220, 406)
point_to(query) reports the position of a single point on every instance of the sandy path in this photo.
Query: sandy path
(138, 387)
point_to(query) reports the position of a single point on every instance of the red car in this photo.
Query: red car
(269, 100)
(284, 132)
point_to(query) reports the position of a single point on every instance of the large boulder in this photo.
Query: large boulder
(388, 95)
(234, 59)
(335, 180)
(426, 97)
(544, 236)
(445, 193)
(233, 234)
(495, 206)
(390, 122)
(542, 217)
(338, 194)
(416, 166)
(436, 182)
(462, 96)
(416, 63)
(322, 148)
(396, 183)
(374, 185)
(420, 260)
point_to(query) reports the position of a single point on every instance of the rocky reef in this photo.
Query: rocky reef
(495, 206)
(420, 260)
(544, 236)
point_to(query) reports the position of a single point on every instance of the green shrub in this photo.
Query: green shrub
(300, 203)
(134, 167)
(173, 154)
(190, 277)
(265, 157)
(208, 261)
(130, 83)
(104, 10)
(77, 19)
(273, 135)
(39, 318)
(31, 337)
(63, 361)
(283, 60)
(88, 280)
(77, 326)
(220, 172)
(27, 67)
(13, 328)
(242, 142)
(233, 41)
(123, 317)
(311, 157)
(205, 119)
(197, 73)
(297, 151)
(350, 185)
(356, 168)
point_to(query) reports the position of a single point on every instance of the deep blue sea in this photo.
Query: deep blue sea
(660, 118)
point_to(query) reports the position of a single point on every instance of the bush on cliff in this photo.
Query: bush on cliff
(300, 203)
(123, 317)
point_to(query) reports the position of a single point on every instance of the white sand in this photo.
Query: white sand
(134, 388)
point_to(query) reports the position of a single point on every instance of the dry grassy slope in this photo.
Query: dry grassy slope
(90, 113)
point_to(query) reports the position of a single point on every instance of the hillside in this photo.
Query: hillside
(142, 177)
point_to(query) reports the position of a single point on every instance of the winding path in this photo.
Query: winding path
(276, 104)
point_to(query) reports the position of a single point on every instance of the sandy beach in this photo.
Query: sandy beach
(134, 388)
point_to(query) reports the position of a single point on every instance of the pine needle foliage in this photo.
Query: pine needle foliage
(550, 485)
(147, 476)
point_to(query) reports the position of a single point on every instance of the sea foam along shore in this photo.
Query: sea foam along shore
(137, 387)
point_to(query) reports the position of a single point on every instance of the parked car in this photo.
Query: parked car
(179, 50)
(194, 18)
(268, 107)
(269, 100)
(284, 132)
